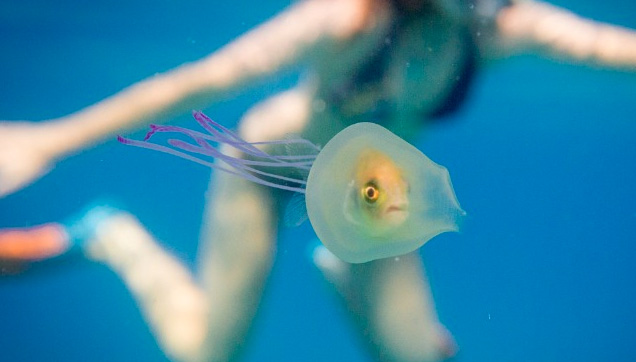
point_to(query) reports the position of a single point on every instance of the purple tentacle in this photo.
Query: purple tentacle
(198, 135)
(231, 138)
(238, 166)
(213, 152)
(239, 173)
(209, 125)
(237, 163)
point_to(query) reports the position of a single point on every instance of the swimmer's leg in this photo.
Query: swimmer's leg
(391, 303)
(209, 323)
(166, 293)
(235, 260)
(168, 297)
(238, 244)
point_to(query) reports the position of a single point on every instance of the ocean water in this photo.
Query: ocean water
(542, 156)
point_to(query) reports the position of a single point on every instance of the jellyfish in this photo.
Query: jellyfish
(367, 193)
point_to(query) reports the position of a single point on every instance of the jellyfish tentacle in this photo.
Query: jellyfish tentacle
(208, 150)
(201, 137)
(237, 171)
(176, 129)
(273, 161)
(216, 137)
(237, 163)
(245, 167)
(196, 134)
(229, 137)
(314, 147)
(207, 123)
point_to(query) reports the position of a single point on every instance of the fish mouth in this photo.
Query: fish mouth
(397, 208)
(396, 214)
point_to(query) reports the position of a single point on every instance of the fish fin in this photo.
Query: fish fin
(296, 211)
(295, 148)
(297, 145)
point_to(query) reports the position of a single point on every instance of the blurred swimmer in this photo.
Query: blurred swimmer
(399, 63)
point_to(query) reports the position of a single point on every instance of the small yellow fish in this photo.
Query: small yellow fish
(383, 190)
(372, 195)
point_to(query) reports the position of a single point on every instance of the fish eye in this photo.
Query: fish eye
(370, 192)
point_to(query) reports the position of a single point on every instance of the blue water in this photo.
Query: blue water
(542, 157)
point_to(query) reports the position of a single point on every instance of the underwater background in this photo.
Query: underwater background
(542, 157)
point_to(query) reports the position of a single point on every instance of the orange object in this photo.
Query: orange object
(34, 243)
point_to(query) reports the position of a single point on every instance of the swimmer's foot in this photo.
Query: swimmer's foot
(33, 243)
(22, 246)
(19, 247)
(83, 227)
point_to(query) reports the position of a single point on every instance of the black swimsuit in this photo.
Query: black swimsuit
(374, 69)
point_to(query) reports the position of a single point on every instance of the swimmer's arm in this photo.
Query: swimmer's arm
(287, 39)
(29, 149)
(540, 27)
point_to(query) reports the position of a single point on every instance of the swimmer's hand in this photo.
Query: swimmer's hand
(23, 155)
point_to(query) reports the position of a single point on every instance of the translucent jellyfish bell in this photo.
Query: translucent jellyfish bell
(368, 193)
(372, 195)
